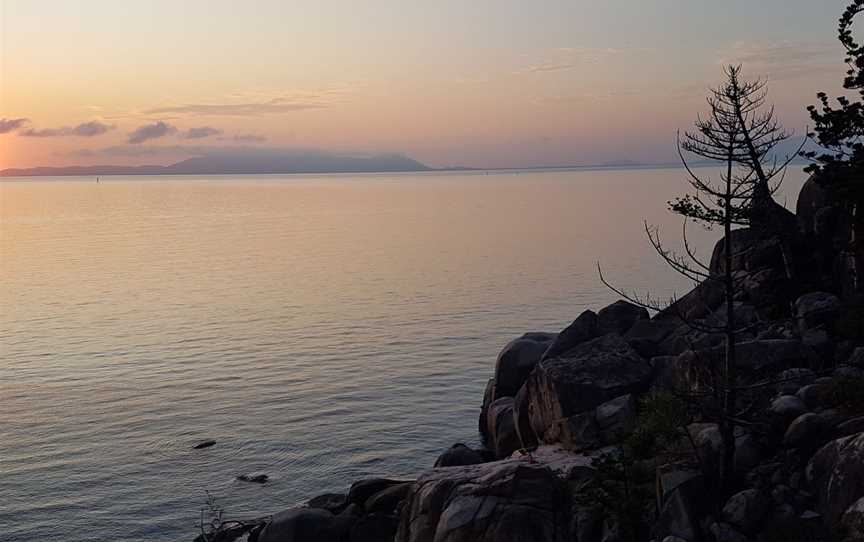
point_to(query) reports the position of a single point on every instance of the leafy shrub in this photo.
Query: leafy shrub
(622, 492)
(659, 425)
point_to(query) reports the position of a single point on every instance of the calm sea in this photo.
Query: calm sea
(320, 329)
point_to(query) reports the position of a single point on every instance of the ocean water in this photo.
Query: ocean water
(320, 329)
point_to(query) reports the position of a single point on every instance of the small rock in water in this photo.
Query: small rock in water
(205, 444)
(254, 478)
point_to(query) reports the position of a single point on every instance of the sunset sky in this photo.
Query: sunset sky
(482, 83)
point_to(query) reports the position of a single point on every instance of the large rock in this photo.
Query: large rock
(807, 432)
(646, 336)
(849, 427)
(791, 380)
(692, 371)
(517, 360)
(742, 240)
(766, 289)
(619, 317)
(812, 526)
(723, 532)
(514, 364)
(816, 309)
(616, 418)
(685, 338)
(459, 455)
(857, 357)
(374, 528)
(501, 424)
(815, 395)
(758, 266)
(699, 302)
(362, 490)
(787, 407)
(386, 501)
(746, 510)
(304, 524)
(836, 474)
(689, 371)
(583, 328)
(853, 520)
(759, 355)
(849, 373)
(582, 379)
(834, 417)
(764, 253)
(332, 502)
(488, 399)
(600, 426)
(821, 343)
(522, 499)
(743, 314)
(811, 198)
(831, 227)
(709, 445)
(682, 501)
(522, 418)
(748, 452)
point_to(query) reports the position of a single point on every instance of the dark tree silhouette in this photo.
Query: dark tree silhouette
(740, 133)
(838, 129)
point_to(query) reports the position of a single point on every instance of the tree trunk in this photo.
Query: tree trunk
(728, 380)
(857, 246)
(729, 397)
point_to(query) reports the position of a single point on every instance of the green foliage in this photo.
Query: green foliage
(740, 133)
(838, 128)
(622, 487)
(688, 206)
(621, 491)
(659, 425)
(665, 414)
(641, 444)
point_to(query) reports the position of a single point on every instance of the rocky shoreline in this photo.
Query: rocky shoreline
(563, 411)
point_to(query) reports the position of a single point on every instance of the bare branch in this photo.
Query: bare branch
(689, 251)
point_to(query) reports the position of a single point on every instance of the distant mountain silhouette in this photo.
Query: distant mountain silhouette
(242, 162)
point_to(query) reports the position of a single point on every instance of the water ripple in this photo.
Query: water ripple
(319, 329)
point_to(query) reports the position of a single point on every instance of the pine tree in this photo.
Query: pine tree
(838, 129)
(740, 133)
